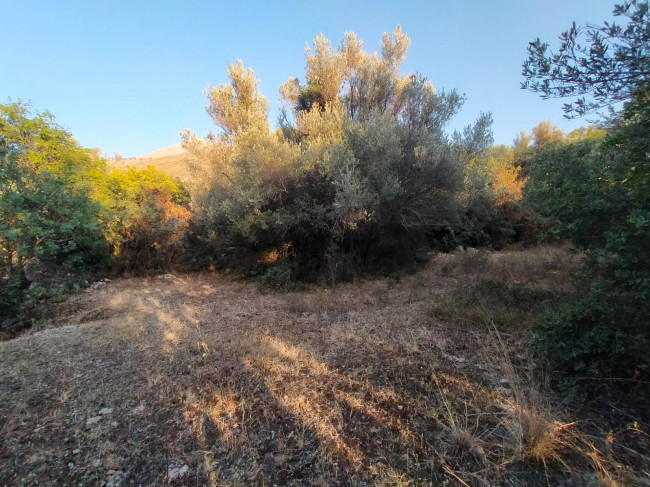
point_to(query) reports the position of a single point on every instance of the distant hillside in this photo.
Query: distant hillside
(172, 150)
(173, 160)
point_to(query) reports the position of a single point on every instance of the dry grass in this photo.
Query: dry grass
(207, 381)
(509, 289)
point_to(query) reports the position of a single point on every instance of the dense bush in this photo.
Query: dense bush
(48, 219)
(146, 218)
(361, 175)
(491, 200)
(594, 191)
(64, 214)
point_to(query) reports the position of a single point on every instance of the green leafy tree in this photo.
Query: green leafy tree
(62, 212)
(49, 223)
(360, 177)
(47, 213)
(594, 191)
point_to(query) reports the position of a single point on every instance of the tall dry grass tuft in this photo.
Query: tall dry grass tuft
(537, 433)
(534, 432)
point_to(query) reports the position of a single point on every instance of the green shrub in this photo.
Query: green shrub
(63, 214)
(147, 217)
(10, 298)
(595, 193)
(280, 277)
(360, 179)
(588, 338)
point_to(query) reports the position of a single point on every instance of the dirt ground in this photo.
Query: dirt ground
(206, 380)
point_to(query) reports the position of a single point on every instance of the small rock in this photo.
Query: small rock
(504, 391)
(138, 410)
(74, 452)
(93, 420)
(98, 285)
(454, 358)
(174, 473)
(34, 285)
(504, 381)
(104, 411)
(97, 463)
(115, 478)
(114, 424)
(71, 465)
(106, 279)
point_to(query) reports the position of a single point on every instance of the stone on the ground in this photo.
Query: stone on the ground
(115, 478)
(504, 391)
(93, 420)
(174, 473)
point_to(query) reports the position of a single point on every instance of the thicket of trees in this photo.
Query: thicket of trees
(595, 192)
(361, 176)
(64, 214)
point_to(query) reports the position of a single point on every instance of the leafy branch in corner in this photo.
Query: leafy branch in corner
(599, 65)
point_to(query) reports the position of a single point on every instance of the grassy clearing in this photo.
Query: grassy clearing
(509, 289)
(207, 381)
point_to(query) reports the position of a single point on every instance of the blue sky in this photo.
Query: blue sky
(128, 76)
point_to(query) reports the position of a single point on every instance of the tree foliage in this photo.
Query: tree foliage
(63, 211)
(594, 191)
(361, 175)
(145, 215)
(609, 63)
(45, 196)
